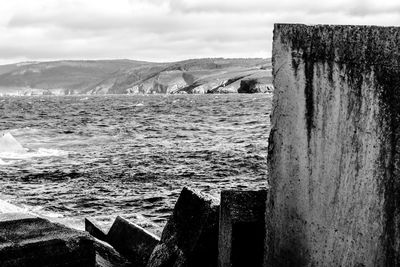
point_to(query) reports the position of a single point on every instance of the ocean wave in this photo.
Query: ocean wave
(26, 131)
(8, 162)
(40, 153)
(38, 211)
(104, 157)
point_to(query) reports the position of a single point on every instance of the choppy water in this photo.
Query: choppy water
(102, 156)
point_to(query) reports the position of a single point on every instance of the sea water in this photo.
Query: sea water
(103, 156)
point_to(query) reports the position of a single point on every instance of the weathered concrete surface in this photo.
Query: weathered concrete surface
(334, 147)
(241, 228)
(190, 238)
(107, 256)
(132, 241)
(30, 241)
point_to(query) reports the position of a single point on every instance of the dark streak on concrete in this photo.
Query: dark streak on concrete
(389, 79)
(309, 96)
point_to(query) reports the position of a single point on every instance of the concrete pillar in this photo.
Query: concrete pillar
(241, 228)
(334, 147)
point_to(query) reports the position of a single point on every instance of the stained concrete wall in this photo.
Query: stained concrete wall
(334, 147)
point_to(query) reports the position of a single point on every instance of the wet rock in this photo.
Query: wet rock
(334, 150)
(107, 256)
(228, 87)
(242, 228)
(92, 228)
(164, 256)
(255, 85)
(30, 241)
(190, 237)
(132, 241)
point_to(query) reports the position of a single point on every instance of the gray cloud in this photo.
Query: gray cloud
(166, 29)
(354, 7)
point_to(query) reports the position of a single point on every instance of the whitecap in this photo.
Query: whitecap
(26, 131)
(40, 153)
(39, 211)
(8, 162)
(47, 152)
(8, 144)
(6, 207)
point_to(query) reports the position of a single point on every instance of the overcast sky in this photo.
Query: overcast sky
(166, 30)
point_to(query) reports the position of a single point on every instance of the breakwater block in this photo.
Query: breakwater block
(132, 241)
(190, 237)
(107, 256)
(93, 229)
(242, 228)
(30, 241)
(334, 147)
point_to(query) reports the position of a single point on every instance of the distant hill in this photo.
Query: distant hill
(207, 75)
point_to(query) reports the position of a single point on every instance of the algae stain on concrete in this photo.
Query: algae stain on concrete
(334, 142)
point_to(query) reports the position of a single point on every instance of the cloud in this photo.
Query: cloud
(166, 30)
(355, 7)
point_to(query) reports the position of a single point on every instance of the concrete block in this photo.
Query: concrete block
(334, 147)
(242, 228)
(30, 241)
(93, 229)
(190, 237)
(132, 241)
(107, 256)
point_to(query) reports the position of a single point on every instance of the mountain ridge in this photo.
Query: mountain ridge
(124, 76)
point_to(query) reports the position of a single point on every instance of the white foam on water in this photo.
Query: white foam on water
(40, 153)
(40, 211)
(47, 152)
(6, 207)
(8, 162)
(8, 144)
(34, 210)
(26, 131)
(73, 222)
